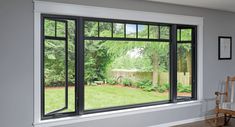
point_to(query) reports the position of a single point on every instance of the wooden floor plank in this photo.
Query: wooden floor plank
(208, 123)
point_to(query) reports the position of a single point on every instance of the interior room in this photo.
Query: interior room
(117, 63)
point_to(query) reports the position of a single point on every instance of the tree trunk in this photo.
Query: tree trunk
(155, 69)
(189, 65)
(180, 60)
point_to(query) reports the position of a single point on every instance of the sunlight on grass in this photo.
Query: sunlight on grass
(55, 99)
(110, 96)
(101, 97)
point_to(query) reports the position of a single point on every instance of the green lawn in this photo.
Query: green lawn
(101, 97)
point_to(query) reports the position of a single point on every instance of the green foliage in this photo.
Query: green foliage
(153, 32)
(109, 96)
(150, 89)
(112, 81)
(54, 55)
(105, 29)
(162, 88)
(164, 32)
(118, 30)
(184, 88)
(146, 85)
(91, 29)
(127, 82)
(96, 61)
(166, 85)
(183, 51)
(125, 62)
(102, 56)
(55, 84)
(142, 31)
(186, 35)
(54, 64)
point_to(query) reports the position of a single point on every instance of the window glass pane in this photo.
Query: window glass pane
(71, 66)
(125, 73)
(118, 30)
(153, 32)
(55, 72)
(131, 30)
(184, 70)
(164, 32)
(60, 27)
(91, 29)
(142, 31)
(120, 69)
(178, 35)
(186, 34)
(49, 27)
(105, 29)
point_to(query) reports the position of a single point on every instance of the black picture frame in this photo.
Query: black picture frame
(225, 48)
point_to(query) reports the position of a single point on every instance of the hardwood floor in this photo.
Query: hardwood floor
(209, 123)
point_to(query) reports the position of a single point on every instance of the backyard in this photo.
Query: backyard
(103, 96)
(115, 72)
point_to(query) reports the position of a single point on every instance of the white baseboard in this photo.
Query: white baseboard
(183, 121)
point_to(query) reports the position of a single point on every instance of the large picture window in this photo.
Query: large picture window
(91, 65)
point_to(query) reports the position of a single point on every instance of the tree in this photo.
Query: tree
(99, 54)
(96, 60)
(185, 52)
(153, 50)
(54, 59)
(157, 52)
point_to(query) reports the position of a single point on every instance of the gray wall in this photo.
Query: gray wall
(16, 64)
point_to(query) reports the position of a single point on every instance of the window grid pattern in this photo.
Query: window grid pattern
(154, 33)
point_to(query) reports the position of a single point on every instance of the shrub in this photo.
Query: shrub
(112, 81)
(183, 88)
(127, 82)
(150, 88)
(167, 85)
(58, 84)
(146, 85)
(163, 88)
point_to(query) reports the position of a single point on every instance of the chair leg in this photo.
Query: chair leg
(227, 119)
(216, 118)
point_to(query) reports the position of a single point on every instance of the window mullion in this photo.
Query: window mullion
(173, 64)
(76, 65)
(194, 63)
(80, 41)
(66, 65)
(80, 66)
(42, 68)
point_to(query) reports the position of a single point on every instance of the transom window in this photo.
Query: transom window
(92, 65)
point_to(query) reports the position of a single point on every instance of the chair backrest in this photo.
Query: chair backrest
(229, 89)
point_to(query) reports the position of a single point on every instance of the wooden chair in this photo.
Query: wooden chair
(225, 103)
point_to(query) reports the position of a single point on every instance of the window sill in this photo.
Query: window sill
(111, 114)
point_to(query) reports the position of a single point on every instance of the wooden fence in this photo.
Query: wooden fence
(135, 76)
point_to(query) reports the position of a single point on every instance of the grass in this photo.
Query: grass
(102, 96)
(55, 99)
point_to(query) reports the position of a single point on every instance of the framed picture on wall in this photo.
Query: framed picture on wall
(225, 48)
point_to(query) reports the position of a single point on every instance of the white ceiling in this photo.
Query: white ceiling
(226, 5)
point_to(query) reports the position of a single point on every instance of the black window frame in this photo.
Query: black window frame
(79, 61)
